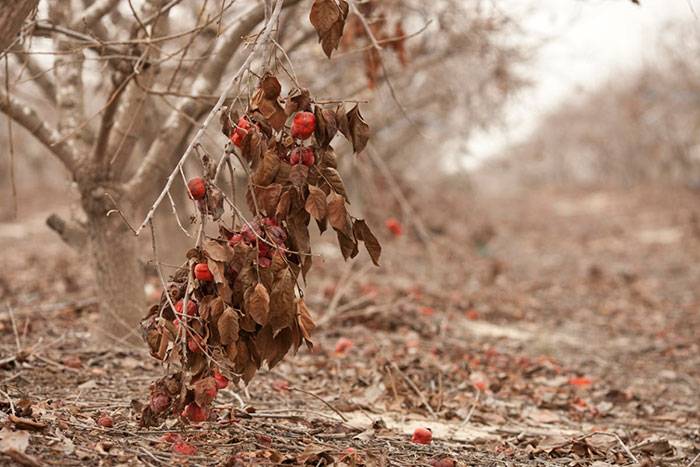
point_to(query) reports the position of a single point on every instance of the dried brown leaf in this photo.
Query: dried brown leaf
(257, 304)
(316, 203)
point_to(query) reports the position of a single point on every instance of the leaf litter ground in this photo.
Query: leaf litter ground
(554, 329)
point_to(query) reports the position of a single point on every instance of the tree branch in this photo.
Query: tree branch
(94, 14)
(29, 119)
(39, 76)
(73, 233)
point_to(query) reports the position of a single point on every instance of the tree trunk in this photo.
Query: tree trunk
(119, 277)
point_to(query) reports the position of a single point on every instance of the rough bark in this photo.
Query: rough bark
(12, 15)
(119, 276)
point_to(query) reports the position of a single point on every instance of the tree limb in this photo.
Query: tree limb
(27, 117)
(39, 76)
(94, 14)
(73, 233)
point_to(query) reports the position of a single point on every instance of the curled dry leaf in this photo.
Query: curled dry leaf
(364, 234)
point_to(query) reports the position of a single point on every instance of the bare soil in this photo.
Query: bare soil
(555, 328)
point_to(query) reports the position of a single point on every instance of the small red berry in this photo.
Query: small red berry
(295, 158)
(105, 421)
(221, 380)
(280, 385)
(197, 188)
(191, 307)
(303, 125)
(202, 272)
(422, 436)
(194, 344)
(240, 131)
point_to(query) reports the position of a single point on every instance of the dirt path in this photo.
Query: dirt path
(580, 316)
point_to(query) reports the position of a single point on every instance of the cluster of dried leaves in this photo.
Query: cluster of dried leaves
(329, 18)
(249, 308)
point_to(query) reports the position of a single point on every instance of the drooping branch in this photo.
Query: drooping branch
(262, 40)
(23, 114)
(162, 155)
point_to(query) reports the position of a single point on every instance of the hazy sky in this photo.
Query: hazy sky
(587, 41)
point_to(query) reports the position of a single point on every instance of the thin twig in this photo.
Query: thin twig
(415, 389)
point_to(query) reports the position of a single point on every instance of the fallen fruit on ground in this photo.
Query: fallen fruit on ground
(422, 436)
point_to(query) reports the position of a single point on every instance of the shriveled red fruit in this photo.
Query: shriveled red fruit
(191, 307)
(422, 436)
(202, 272)
(194, 344)
(197, 188)
(295, 157)
(221, 380)
(186, 449)
(159, 403)
(240, 131)
(105, 421)
(264, 261)
(303, 125)
(343, 345)
(394, 226)
(235, 240)
(195, 413)
(307, 157)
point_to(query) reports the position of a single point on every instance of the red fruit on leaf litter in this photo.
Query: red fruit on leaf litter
(202, 272)
(195, 413)
(422, 436)
(197, 188)
(105, 421)
(221, 380)
(295, 157)
(186, 449)
(343, 345)
(191, 307)
(303, 125)
(394, 226)
(159, 403)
